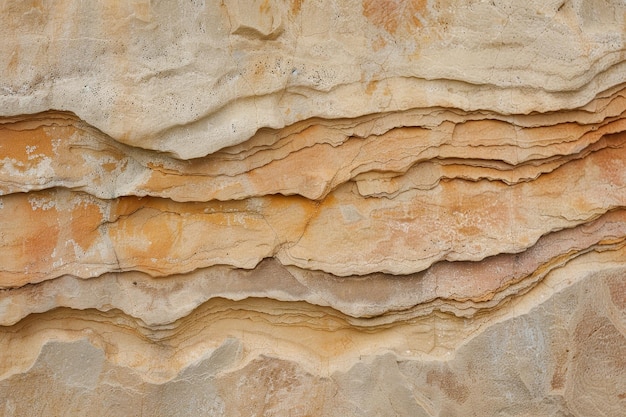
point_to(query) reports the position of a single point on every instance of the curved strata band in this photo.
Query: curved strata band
(313, 208)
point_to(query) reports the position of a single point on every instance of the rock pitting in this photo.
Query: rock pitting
(292, 208)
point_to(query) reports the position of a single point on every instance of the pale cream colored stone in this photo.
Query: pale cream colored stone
(191, 78)
(460, 288)
(64, 152)
(522, 355)
(344, 234)
(298, 208)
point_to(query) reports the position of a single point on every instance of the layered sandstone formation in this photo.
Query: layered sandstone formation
(292, 208)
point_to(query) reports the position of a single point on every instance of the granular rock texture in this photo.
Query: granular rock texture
(313, 208)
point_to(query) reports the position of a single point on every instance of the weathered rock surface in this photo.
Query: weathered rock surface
(290, 208)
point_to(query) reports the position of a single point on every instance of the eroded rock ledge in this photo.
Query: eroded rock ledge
(300, 208)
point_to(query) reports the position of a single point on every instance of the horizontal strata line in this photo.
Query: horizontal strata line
(300, 330)
(463, 307)
(345, 122)
(510, 274)
(479, 169)
(149, 209)
(137, 172)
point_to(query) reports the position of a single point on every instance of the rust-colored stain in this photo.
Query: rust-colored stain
(109, 166)
(617, 288)
(29, 236)
(296, 6)
(393, 15)
(371, 87)
(470, 231)
(378, 43)
(12, 65)
(560, 372)
(265, 6)
(448, 383)
(85, 219)
(612, 164)
(26, 146)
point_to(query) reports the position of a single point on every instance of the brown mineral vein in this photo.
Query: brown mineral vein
(460, 288)
(65, 153)
(59, 232)
(320, 338)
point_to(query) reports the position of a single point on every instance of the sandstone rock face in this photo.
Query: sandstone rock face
(292, 208)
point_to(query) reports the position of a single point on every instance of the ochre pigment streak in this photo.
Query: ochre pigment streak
(58, 150)
(460, 288)
(360, 208)
(74, 233)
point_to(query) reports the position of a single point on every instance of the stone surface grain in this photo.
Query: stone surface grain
(294, 208)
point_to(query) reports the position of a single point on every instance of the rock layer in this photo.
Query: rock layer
(313, 208)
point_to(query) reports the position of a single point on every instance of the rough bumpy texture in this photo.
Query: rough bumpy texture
(313, 208)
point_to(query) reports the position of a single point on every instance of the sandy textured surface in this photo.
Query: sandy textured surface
(313, 208)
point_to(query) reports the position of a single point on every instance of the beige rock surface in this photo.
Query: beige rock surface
(191, 78)
(253, 357)
(292, 208)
